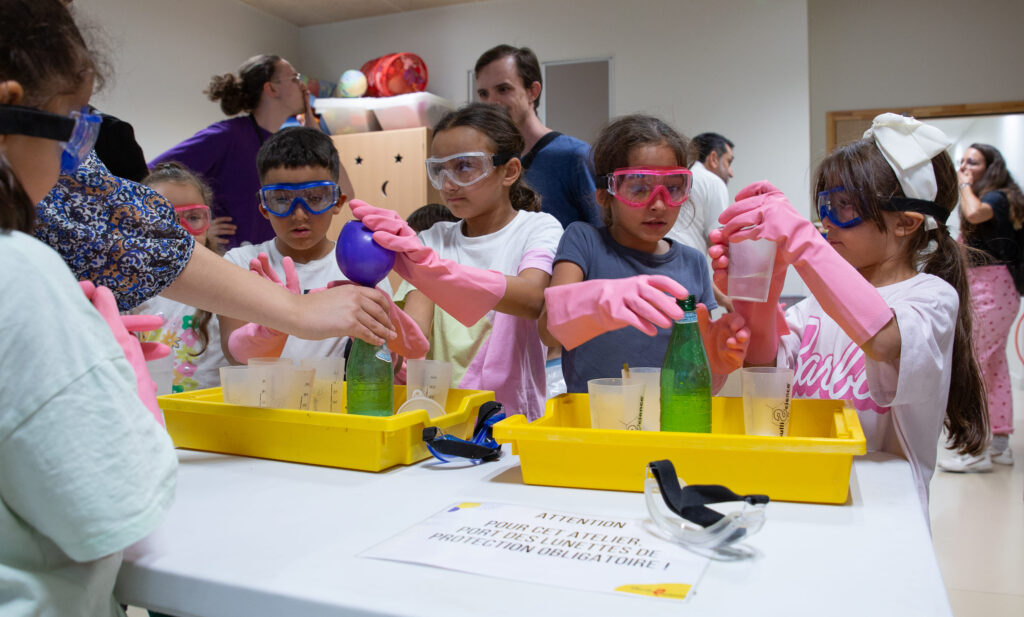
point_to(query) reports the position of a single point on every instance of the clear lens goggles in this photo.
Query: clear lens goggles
(681, 514)
(638, 187)
(840, 207)
(315, 197)
(193, 217)
(77, 131)
(465, 168)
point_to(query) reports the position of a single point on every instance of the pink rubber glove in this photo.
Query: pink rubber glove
(135, 352)
(410, 342)
(578, 312)
(725, 340)
(253, 340)
(768, 316)
(846, 296)
(464, 292)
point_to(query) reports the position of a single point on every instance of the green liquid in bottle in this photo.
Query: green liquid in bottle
(369, 380)
(686, 377)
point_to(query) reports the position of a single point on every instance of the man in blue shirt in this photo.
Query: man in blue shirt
(556, 165)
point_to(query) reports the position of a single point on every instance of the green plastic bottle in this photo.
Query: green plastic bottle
(686, 377)
(369, 380)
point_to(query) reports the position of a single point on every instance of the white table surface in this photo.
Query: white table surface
(252, 537)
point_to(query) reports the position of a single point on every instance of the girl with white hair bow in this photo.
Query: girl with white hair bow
(889, 326)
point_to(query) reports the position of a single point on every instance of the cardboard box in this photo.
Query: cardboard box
(388, 170)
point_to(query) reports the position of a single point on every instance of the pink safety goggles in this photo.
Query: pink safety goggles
(193, 217)
(638, 187)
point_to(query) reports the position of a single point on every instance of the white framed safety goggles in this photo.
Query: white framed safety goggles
(464, 168)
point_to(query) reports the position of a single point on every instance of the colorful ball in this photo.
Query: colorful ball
(352, 83)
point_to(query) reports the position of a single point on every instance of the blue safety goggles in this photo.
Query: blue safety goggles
(841, 206)
(481, 448)
(76, 131)
(315, 197)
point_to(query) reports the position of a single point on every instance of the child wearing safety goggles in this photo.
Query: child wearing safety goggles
(627, 273)
(477, 284)
(889, 323)
(86, 468)
(191, 333)
(299, 171)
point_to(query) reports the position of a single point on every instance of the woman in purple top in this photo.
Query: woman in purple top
(269, 90)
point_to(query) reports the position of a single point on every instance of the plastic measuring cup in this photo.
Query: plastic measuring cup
(766, 398)
(430, 378)
(327, 383)
(750, 269)
(615, 403)
(238, 387)
(650, 404)
(290, 386)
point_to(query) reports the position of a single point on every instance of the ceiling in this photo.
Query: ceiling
(313, 12)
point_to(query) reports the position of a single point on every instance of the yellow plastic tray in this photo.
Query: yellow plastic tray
(200, 420)
(811, 464)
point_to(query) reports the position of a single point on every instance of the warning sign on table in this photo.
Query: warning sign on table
(579, 551)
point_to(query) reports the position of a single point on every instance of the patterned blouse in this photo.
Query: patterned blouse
(114, 232)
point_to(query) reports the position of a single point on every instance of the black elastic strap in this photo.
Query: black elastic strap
(537, 147)
(921, 206)
(458, 447)
(18, 120)
(690, 502)
(487, 410)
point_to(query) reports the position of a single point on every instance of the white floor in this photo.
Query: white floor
(978, 532)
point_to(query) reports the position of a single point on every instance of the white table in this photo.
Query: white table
(252, 537)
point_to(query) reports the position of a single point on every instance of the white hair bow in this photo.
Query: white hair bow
(908, 145)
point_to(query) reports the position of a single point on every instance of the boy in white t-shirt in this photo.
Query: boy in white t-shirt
(299, 169)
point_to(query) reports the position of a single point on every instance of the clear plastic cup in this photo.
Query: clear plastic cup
(650, 404)
(615, 403)
(328, 382)
(270, 361)
(766, 398)
(750, 269)
(290, 386)
(238, 386)
(431, 378)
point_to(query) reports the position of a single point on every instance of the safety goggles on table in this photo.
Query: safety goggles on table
(841, 206)
(315, 197)
(464, 168)
(681, 513)
(76, 131)
(638, 187)
(193, 217)
(481, 448)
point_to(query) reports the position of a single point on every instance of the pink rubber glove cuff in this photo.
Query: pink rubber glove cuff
(464, 292)
(578, 312)
(255, 341)
(103, 300)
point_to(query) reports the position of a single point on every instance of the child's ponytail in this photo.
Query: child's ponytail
(494, 122)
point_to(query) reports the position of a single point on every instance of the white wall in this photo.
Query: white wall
(879, 53)
(162, 54)
(737, 67)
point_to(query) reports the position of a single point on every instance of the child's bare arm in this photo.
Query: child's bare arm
(524, 294)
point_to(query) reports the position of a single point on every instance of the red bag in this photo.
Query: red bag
(393, 74)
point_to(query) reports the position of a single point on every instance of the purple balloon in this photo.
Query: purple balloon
(361, 259)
